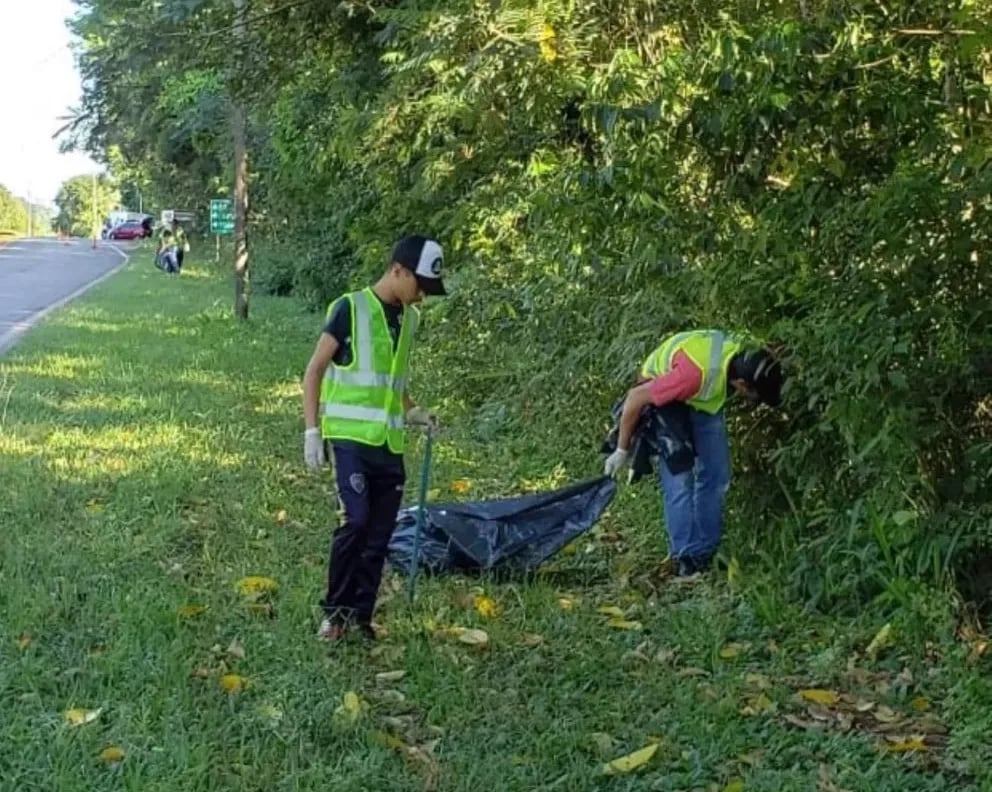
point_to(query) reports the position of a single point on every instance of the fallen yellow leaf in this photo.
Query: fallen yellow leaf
(280, 516)
(737, 785)
(390, 676)
(23, 641)
(486, 607)
(907, 745)
(734, 572)
(566, 603)
(189, 611)
(882, 640)
(732, 650)
(623, 624)
(112, 753)
(351, 706)
(94, 507)
(920, 704)
(630, 762)
(757, 705)
(532, 639)
(236, 649)
(759, 681)
(610, 610)
(257, 584)
(80, 717)
(826, 698)
(233, 683)
(461, 486)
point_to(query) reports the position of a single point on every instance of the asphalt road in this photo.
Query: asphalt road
(37, 275)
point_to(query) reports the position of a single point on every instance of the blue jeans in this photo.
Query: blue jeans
(694, 499)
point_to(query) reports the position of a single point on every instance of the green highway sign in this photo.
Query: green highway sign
(221, 216)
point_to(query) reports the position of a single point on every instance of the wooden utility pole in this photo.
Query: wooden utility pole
(239, 134)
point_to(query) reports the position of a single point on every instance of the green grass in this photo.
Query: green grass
(150, 457)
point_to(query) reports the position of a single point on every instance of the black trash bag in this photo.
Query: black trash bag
(512, 534)
(663, 432)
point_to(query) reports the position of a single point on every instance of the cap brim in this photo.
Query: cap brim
(432, 286)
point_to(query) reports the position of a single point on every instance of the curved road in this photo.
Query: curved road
(37, 275)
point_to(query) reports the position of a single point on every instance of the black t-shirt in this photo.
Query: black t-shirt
(339, 326)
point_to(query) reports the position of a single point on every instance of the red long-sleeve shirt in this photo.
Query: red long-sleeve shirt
(680, 384)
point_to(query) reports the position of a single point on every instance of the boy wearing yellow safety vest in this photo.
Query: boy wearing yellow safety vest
(357, 381)
(701, 368)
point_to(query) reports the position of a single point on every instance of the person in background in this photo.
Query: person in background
(701, 368)
(356, 401)
(181, 243)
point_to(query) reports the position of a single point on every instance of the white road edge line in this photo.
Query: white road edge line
(12, 336)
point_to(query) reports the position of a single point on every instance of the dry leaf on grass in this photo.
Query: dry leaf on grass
(566, 603)
(80, 717)
(883, 639)
(280, 516)
(825, 698)
(23, 641)
(255, 585)
(920, 704)
(233, 683)
(757, 705)
(737, 785)
(625, 624)
(610, 610)
(112, 754)
(734, 649)
(630, 762)
(390, 676)
(532, 639)
(906, 745)
(351, 707)
(691, 671)
(236, 649)
(461, 486)
(803, 724)
(189, 611)
(421, 756)
(199, 673)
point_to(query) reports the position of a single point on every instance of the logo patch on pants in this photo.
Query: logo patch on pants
(357, 481)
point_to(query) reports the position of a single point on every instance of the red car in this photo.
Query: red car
(128, 230)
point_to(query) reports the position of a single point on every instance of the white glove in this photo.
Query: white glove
(418, 416)
(615, 461)
(313, 449)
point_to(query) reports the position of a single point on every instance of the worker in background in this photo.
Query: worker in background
(355, 399)
(703, 369)
(181, 242)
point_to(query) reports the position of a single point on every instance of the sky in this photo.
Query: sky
(40, 84)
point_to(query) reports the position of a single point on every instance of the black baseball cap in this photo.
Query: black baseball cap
(764, 372)
(425, 259)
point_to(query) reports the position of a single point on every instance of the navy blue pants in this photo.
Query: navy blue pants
(370, 490)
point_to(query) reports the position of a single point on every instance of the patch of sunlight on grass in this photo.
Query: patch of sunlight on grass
(192, 376)
(120, 450)
(105, 401)
(68, 367)
(11, 445)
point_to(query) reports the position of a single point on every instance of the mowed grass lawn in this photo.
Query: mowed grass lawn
(150, 460)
